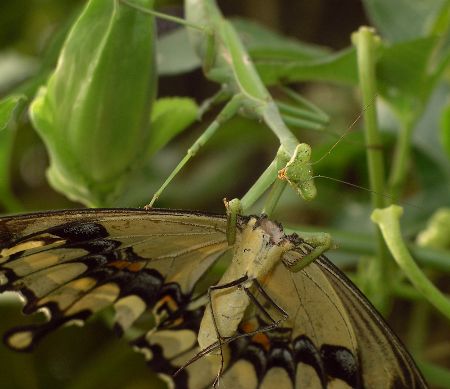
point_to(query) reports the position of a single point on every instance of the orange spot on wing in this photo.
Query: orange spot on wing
(135, 266)
(131, 266)
(260, 338)
(248, 327)
(119, 264)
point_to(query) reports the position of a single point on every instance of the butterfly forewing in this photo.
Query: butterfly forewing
(75, 263)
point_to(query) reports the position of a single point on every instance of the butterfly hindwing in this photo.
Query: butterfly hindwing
(384, 359)
(315, 347)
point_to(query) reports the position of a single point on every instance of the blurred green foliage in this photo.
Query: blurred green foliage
(317, 60)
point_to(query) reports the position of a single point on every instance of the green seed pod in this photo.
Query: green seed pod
(94, 112)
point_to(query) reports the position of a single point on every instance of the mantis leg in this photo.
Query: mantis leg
(227, 113)
(226, 60)
(319, 242)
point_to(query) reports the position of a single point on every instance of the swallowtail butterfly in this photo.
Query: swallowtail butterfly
(278, 329)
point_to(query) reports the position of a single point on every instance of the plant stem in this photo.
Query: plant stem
(366, 43)
(400, 160)
(388, 221)
(418, 327)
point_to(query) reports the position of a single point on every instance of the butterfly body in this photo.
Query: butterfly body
(75, 263)
(259, 248)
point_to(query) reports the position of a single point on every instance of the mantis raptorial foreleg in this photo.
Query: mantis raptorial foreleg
(233, 209)
(319, 242)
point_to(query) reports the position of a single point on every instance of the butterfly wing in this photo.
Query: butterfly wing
(384, 360)
(315, 347)
(333, 336)
(74, 263)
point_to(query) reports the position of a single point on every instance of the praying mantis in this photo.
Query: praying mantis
(226, 62)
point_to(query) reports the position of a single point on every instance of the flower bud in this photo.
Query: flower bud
(94, 113)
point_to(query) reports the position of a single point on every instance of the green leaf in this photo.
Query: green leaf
(170, 116)
(427, 135)
(175, 54)
(402, 69)
(402, 20)
(279, 58)
(263, 43)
